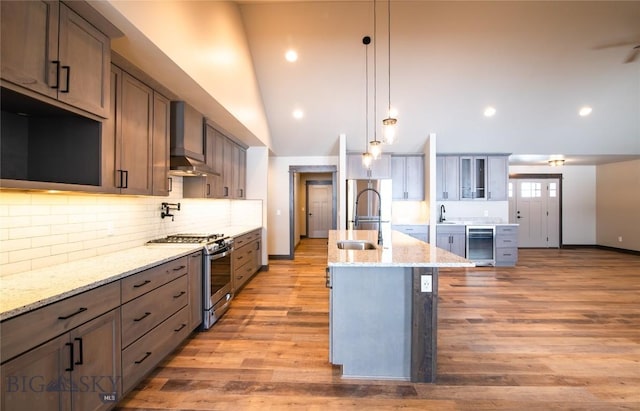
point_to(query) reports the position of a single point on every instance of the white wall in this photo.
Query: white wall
(578, 200)
(278, 202)
(40, 229)
(257, 188)
(618, 205)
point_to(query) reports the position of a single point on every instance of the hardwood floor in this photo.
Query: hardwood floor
(559, 332)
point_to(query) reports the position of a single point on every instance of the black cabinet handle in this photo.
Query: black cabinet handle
(180, 328)
(126, 179)
(70, 345)
(142, 284)
(57, 64)
(180, 294)
(180, 268)
(66, 317)
(146, 355)
(257, 245)
(145, 315)
(81, 349)
(226, 192)
(327, 279)
(170, 184)
(66, 90)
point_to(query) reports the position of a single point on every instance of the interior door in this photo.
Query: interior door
(319, 198)
(535, 206)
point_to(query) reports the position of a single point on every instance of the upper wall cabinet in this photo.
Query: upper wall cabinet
(49, 49)
(407, 173)
(472, 177)
(380, 168)
(497, 178)
(447, 178)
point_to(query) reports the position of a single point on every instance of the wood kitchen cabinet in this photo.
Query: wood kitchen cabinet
(195, 290)
(49, 49)
(246, 258)
(452, 237)
(160, 145)
(209, 186)
(134, 147)
(447, 178)
(77, 369)
(155, 317)
(380, 168)
(417, 231)
(407, 173)
(506, 245)
(497, 178)
(234, 170)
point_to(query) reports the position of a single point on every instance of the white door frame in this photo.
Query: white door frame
(540, 177)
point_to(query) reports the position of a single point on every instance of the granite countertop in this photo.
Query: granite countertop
(398, 250)
(23, 292)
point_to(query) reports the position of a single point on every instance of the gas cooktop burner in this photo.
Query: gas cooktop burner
(190, 239)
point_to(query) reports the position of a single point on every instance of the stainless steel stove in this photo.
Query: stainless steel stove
(216, 270)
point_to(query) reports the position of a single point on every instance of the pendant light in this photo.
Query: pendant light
(389, 123)
(375, 146)
(366, 156)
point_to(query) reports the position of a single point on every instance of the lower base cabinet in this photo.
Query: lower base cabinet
(247, 257)
(417, 231)
(141, 357)
(74, 355)
(79, 370)
(452, 238)
(506, 245)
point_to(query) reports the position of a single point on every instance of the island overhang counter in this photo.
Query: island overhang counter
(383, 304)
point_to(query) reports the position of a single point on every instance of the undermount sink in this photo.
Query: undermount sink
(355, 245)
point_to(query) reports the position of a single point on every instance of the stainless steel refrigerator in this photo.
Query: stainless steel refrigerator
(369, 201)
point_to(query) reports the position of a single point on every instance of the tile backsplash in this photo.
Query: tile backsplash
(41, 229)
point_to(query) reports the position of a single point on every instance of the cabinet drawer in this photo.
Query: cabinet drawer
(143, 355)
(412, 229)
(246, 238)
(242, 275)
(144, 313)
(451, 229)
(507, 254)
(19, 334)
(506, 241)
(243, 256)
(145, 281)
(506, 230)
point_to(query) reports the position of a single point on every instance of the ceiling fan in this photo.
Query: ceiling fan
(633, 53)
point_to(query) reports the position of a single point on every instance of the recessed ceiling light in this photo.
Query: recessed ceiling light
(291, 56)
(585, 111)
(298, 114)
(489, 111)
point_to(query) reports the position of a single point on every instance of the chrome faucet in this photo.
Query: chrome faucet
(355, 212)
(442, 211)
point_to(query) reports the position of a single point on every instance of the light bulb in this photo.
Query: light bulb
(389, 130)
(375, 148)
(366, 160)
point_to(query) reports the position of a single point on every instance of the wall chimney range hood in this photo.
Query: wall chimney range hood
(187, 142)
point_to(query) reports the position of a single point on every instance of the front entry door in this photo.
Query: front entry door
(319, 199)
(535, 205)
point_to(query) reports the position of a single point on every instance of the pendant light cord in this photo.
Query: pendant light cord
(375, 61)
(389, 48)
(366, 95)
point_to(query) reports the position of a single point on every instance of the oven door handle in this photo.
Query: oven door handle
(223, 254)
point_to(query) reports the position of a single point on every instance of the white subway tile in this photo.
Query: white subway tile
(19, 244)
(49, 240)
(28, 232)
(28, 254)
(14, 268)
(66, 248)
(48, 261)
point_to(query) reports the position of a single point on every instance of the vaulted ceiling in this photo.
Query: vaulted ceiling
(537, 63)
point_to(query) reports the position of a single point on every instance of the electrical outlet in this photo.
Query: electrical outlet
(426, 285)
(620, 239)
(486, 213)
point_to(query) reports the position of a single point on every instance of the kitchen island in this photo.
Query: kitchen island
(383, 304)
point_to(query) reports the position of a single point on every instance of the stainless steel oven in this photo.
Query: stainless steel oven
(481, 247)
(216, 271)
(217, 281)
